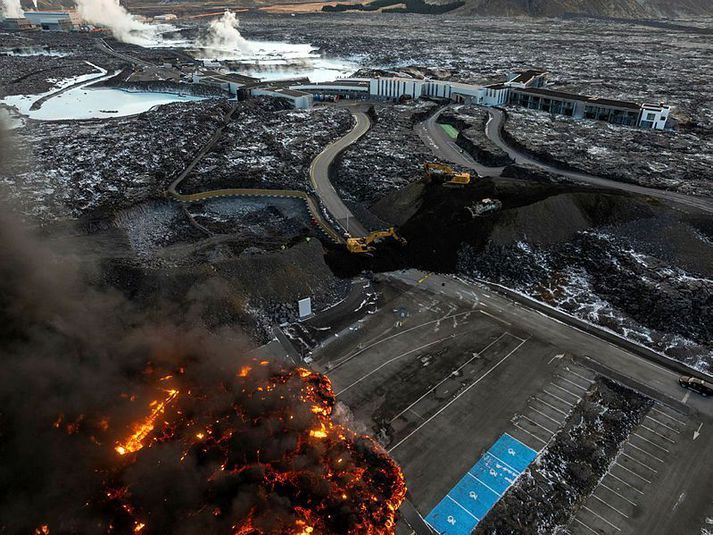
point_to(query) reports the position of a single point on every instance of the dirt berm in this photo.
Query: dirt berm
(436, 221)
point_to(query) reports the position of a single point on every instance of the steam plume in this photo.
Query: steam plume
(224, 35)
(123, 25)
(11, 9)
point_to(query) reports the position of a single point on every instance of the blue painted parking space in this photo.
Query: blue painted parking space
(481, 487)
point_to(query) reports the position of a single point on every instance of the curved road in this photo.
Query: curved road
(319, 175)
(493, 131)
(444, 147)
(435, 137)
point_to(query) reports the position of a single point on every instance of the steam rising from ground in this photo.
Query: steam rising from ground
(11, 9)
(123, 25)
(224, 36)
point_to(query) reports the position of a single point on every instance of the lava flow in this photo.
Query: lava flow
(265, 457)
(136, 441)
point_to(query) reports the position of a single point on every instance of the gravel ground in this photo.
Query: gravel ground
(71, 168)
(648, 278)
(676, 160)
(387, 157)
(268, 146)
(471, 121)
(570, 468)
(30, 62)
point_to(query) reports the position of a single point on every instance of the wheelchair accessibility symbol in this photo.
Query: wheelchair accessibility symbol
(451, 520)
(473, 495)
(511, 451)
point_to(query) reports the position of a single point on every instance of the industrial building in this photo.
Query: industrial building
(53, 20)
(234, 84)
(522, 88)
(16, 24)
(298, 99)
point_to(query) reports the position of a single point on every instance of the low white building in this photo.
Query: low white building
(231, 82)
(299, 99)
(343, 87)
(654, 116)
(53, 20)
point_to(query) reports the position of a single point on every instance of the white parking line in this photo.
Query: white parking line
(450, 375)
(538, 425)
(668, 416)
(642, 478)
(496, 318)
(610, 506)
(637, 461)
(526, 431)
(652, 443)
(373, 343)
(659, 434)
(543, 414)
(624, 482)
(565, 390)
(474, 383)
(585, 525)
(601, 484)
(600, 517)
(573, 383)
(589, 379)
(569, 404)
(550, 406)
(644, 451)
(459, 505)
(424, 346)
(663, 424)
(486, 486)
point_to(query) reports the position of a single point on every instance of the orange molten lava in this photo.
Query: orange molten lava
(136, 441)
(268, 459)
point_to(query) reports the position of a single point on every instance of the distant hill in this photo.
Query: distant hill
(632, 9)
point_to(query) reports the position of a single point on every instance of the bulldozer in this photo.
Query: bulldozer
(366, 244)
(445, 173)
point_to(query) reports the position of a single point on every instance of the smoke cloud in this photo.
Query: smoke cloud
(224, 36)
(123, 25)
(11, 9)
(143, 414)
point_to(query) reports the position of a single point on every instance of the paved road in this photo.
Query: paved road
(445, 148)
(310, 201)
(319, 175)
(493, 131)
(104, 47)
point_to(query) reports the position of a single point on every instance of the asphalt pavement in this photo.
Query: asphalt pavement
(319, 175)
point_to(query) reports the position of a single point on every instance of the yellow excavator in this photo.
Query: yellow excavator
(366, 244)
(445, 173)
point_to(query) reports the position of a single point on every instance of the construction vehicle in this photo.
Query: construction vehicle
(445, 173)
(367, 244)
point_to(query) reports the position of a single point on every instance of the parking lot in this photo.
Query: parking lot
(441, 371)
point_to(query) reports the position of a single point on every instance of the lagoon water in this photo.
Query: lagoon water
(267, 60)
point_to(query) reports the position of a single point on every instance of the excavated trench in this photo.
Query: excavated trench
(628, 263)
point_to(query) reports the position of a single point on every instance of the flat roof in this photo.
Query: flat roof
(289, 92)
(229, 77)
(526, 76)
(582, 98)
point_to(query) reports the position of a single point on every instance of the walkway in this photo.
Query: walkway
(319, 175)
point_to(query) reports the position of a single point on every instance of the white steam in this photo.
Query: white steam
(123, 25)
(223, 35)
(11, 9)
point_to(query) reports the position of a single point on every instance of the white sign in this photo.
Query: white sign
(305, 307)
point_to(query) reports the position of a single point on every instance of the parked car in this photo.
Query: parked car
(704, 388)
